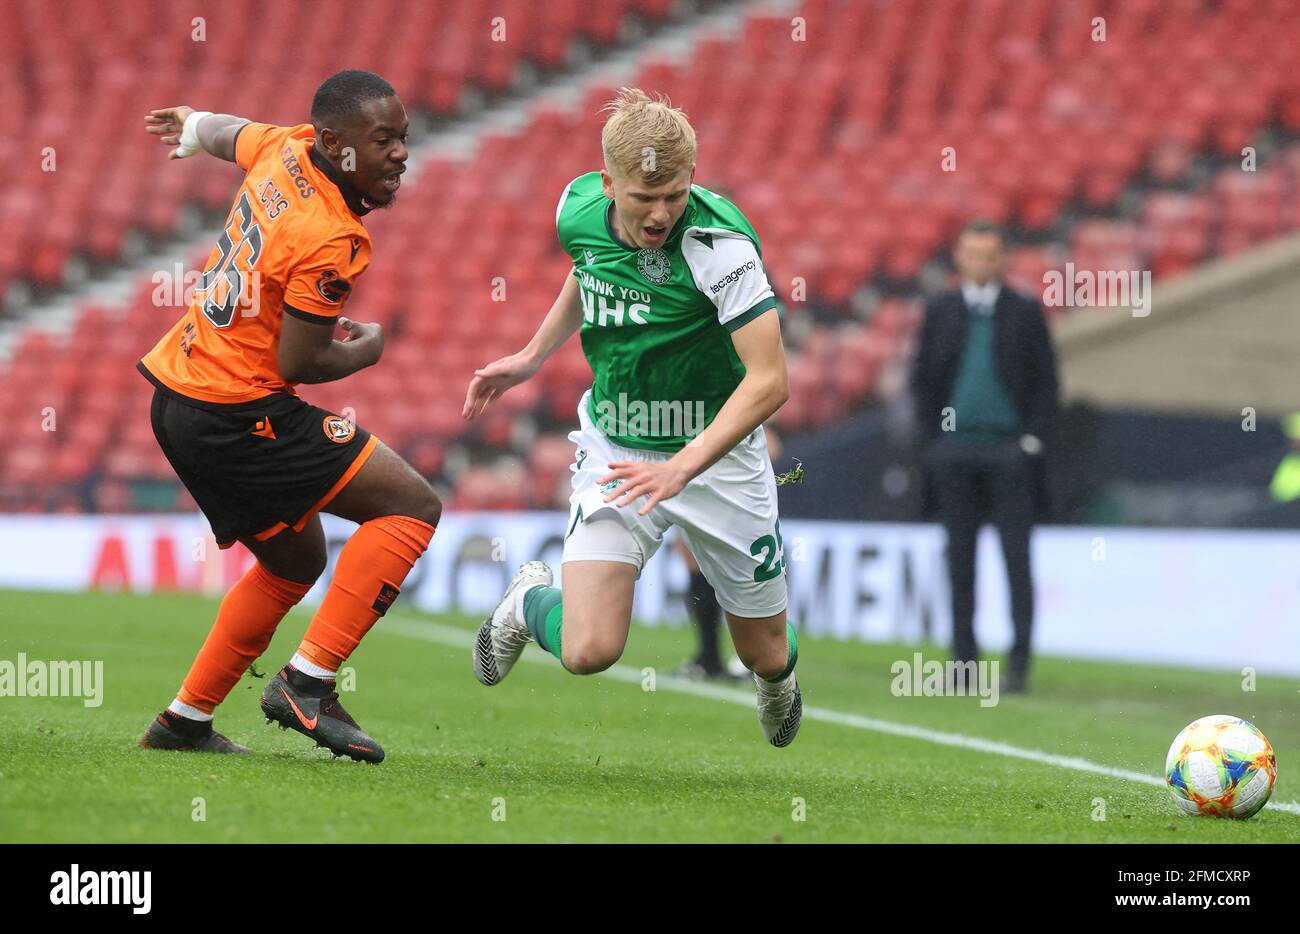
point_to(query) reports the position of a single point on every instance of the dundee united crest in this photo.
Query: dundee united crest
(339, 429)
(333, 287)
(653, 265)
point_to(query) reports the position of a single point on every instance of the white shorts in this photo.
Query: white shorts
(727, 515)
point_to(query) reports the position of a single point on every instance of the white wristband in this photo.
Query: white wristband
(189, 142)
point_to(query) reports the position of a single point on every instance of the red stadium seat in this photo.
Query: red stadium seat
(857, 153)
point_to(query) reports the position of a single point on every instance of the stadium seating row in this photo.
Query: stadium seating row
(857, 151)
(84, 175)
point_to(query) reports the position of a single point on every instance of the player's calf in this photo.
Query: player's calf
(249, 615)
(770, 649)
(598, 598)
(397, 511)
(589, 639)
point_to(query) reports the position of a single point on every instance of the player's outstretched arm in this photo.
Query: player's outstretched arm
(762, 391)
(187, 131)
(564, 318)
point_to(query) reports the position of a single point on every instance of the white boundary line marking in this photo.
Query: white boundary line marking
(430, 631)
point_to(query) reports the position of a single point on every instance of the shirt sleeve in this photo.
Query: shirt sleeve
(728, 270)
(254, 139)
(319, 286)
(559, 212)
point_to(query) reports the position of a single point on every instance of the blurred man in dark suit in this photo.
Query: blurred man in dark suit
(985, 389)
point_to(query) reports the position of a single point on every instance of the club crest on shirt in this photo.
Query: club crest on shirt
(332, 287)
(339, 429)
(653, 265)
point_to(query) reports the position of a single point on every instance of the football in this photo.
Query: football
(1221, 766)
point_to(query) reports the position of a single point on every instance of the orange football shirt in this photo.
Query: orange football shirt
(291, 245)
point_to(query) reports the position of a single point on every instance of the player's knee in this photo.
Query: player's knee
(314, 566)
(588, 663)
(767, 667)
(424, 504)
(431, 509)
(767, 659)
(304, 568)
(589, 656)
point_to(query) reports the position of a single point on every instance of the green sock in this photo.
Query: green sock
(793, 643)
(544, 616)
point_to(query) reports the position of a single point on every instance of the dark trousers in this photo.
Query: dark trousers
(975, 483)
(702, 604)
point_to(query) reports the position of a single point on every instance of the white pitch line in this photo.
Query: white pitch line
(460, 638)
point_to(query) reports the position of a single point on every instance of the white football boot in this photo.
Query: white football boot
(504, 634)
(780, 708)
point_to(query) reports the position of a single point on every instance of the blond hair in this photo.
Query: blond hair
(646, 137)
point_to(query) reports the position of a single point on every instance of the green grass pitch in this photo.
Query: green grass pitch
(549, 756)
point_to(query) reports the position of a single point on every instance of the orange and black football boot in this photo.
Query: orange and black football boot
(173, 732)
(311, 706)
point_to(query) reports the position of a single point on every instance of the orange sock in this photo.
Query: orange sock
(368, 578)
(245, 623)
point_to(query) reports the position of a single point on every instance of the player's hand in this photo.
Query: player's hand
(493, 380)
(365, 333)
(658, 481)
(167, 124)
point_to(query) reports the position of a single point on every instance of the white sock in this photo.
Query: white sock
(310, 668)
(188, 712)
(519, 601)
(772, 686)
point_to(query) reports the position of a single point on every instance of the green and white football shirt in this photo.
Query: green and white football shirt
(657, 323)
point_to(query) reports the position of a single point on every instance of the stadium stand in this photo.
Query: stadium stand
(106, 181)
(1090, 151)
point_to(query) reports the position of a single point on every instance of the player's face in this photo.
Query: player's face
(378, 137)
(647, 213)
(979, 256)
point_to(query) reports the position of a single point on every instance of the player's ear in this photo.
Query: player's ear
(607, 182)
(329, 141)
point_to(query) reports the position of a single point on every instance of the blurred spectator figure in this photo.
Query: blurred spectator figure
(704, 611)
(706, 616)
(1285, 487)
(985, 389)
